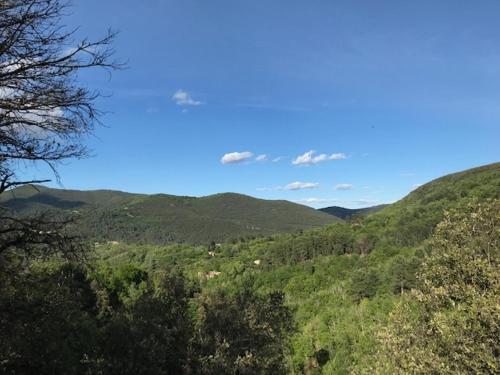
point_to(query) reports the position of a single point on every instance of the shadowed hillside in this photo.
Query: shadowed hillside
(161, 218)
(346, 213)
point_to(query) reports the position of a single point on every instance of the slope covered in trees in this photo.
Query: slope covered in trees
(347, 213)
(395, 292)
(450, 324)
(342, 281)
(412, 219)
(325, 300)
(106, 215)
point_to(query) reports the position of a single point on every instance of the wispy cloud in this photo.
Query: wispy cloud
(262, 157)
(279, 158)
(183, 98)
(74, 50)
(344, 187)
(337, 156)
(236, 157)
(298, 185)
(315, 201)
(310, 158)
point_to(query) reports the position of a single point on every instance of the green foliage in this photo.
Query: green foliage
(47, 321)
(242, 334)
(231, 311)
(160, 219)
(413, 219)
(364, 284)
(123, 283)
(151, 335)
(402, 272)
(450, 325)
(59, 318)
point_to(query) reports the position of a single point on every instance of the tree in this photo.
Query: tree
(402, 273)
(151, 334)
(242, 334)
(44, 112)
(451, 324)
(364, 284)
(47, 322)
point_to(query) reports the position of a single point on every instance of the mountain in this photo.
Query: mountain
(108, 215)
(413, 218)
(348, 275)
(157, 219)
(346, 213)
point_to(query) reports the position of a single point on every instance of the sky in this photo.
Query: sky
(320, 102)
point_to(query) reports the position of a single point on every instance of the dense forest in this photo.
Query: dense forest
(328, 300)
(116, 283)
(159, 219)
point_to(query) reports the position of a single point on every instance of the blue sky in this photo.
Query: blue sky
(400, 92)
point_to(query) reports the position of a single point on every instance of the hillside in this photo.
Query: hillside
(413, 218)
(346, 213)
(347, 275)
(159, 219)
(341, 281)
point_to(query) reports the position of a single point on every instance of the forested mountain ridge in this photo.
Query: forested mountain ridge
(346, 213)
(37, 197)
(107, 215)
(412, 219)
(343, 280)
(161, 218)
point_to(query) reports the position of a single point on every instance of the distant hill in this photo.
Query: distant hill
(413, 218)
(159, 219)
(108, 215)
(346, 213)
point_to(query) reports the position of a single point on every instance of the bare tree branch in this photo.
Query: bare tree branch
(44, 111)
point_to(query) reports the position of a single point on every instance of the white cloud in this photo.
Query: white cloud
(72, 50)
(337, 156)
(35, 122)
(315, 200)
(182, 97)
(416, 186)
(310, 158)
(279, 158)
(236, 157)
(297, 185)
(307, 158)
(31, 122)
(262, 157)
(318, 202)
(344, 187)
